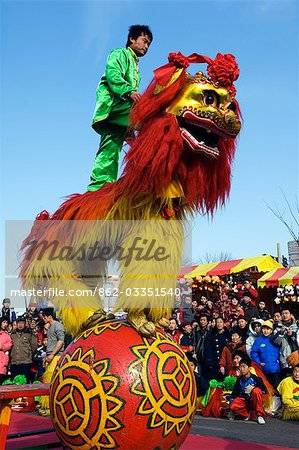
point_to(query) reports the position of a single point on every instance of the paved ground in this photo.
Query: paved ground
(274, 432)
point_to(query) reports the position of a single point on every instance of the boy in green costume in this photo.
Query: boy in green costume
(117, 91)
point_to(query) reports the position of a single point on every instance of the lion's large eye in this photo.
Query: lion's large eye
(232, 106)
(211, 98)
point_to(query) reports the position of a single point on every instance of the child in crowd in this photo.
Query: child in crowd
(266, 354)
(246, 398)
(289, 391)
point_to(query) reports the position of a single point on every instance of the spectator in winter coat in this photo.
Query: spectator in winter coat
(24, 346)
(32, 313)
(186, 339)
(5, 346)
(242, 328)
(214, 344)
(7, 312)
(226, 360)
(266, 354)
(200, 333)
(209, 309)
(285, 337)
(247, 395)
(187, 312)
(263, 313)
(234, 308)
(250, 310)
(289, 391)
(255, 330)
(276, 319)
(201, 384)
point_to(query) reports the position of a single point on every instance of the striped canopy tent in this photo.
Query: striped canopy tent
(263, 263)
(280, 277)
(185, 270)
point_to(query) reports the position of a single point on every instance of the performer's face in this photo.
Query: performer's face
(140, 45)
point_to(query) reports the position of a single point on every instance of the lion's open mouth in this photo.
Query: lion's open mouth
(198, 138)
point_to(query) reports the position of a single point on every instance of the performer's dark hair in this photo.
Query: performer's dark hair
(49, 312)
(246, 361)
(136, 30)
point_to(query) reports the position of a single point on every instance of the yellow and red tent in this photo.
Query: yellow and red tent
(280, 277)
(263, 263)
(186, 269)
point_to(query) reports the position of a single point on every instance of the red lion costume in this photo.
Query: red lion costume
(179, 163)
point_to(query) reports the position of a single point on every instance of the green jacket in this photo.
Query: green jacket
(120, 79)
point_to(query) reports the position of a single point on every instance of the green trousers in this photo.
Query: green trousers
(105, 166)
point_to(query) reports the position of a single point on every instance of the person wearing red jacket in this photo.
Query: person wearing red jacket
(5, 346)
(226, 360)
(247, 288)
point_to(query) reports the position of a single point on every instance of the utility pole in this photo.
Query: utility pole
(279, 253)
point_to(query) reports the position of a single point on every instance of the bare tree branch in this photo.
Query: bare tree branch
(211, 258)
(286, 216)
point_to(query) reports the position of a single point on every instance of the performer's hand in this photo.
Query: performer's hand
(49, 358)
(135, 96)
(222, 370)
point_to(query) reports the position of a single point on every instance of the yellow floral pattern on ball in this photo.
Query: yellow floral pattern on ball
(85, 404)
(171, 405)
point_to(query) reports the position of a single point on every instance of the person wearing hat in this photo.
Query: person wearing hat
(7, 313)
(24, 346)
(32, 312)
(255, 331)
(266, 354)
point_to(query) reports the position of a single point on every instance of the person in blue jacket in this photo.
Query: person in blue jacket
(266, 354)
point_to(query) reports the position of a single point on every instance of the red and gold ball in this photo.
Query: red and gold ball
(113, 388)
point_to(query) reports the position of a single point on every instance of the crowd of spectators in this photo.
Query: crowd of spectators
(28, 342)
(217, 333)
(231, 334)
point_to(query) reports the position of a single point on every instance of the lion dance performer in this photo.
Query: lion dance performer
(179, 164)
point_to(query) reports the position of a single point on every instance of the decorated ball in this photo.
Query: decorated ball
(114, 388)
